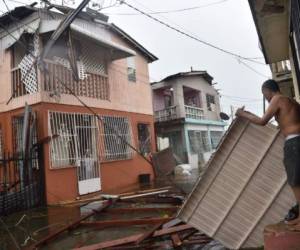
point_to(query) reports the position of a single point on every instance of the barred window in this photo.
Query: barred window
(215, 137)
(199, 141)
(131, 69)
(210, 100)
(77, 138)
(115, 135)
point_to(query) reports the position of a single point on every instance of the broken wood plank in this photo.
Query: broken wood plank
(148, 234)
(173, 201)
(68, 227)
(140, 209)
(133, 238)
(172, 223)
(176, 240)
(130, 222)
(143, 195)
(144, 191)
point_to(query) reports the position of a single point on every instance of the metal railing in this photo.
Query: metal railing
(166, 114)
(194, 112)
(281, 67)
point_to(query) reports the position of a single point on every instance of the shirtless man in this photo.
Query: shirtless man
(287, 113)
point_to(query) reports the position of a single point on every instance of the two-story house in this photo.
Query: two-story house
(85, 154)
(187, 116)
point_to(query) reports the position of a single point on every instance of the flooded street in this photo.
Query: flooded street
(31, 226)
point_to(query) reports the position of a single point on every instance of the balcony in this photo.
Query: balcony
(194, 112)
(60, 80)
(167, 114)
(172, 113)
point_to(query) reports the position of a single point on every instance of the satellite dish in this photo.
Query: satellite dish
(224, 116)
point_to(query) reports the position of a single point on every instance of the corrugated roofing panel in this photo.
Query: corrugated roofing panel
(244, 187)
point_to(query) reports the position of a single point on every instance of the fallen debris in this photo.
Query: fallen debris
(134, 238)
(122, 223)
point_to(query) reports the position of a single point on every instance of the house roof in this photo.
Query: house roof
(90, 15)
(204, 74)
(243, 189)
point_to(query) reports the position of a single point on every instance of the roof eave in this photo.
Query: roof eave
(258, 31)
(151, 57)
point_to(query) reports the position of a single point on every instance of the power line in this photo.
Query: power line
(172, 11)
(189, 35)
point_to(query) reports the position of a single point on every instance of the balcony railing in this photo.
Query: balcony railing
(94, 86)
(194, 112)
(167, 114)
(60, 80)
(18, 88)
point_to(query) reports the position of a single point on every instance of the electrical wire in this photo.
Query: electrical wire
(171, 11)
(190, 35)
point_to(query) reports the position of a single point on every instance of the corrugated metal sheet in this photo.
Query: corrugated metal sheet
(244, 188)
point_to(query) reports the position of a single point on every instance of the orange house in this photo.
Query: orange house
(85, 154)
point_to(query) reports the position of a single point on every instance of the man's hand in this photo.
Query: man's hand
(240, 111)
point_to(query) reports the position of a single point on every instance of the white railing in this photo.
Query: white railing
(194, 112)
(166, 114)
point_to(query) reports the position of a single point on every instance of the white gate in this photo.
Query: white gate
(86, 153)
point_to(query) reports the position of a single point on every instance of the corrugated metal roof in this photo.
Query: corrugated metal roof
(243, 189)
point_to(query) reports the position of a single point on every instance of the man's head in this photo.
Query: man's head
(269, 89)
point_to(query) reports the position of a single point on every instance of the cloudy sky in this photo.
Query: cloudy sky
(227, 24)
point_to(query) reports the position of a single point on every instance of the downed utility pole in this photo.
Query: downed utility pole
(65, 23)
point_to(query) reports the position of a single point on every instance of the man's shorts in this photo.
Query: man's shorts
(292, 161)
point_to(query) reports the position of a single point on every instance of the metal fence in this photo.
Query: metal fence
(21, 182)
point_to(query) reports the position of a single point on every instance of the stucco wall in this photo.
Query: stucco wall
(197, 83)
(124, 95)
(61, 184)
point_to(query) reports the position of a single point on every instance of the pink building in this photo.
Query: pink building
(85, 155)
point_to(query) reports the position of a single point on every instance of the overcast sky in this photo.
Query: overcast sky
(227, 24)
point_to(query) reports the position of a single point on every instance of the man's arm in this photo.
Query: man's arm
(271, 111)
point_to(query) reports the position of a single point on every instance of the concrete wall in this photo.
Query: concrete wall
(197, 83)
(61, 184)
(124, 95)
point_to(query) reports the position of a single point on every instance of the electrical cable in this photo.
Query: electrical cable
(172, 11)
(189, 35)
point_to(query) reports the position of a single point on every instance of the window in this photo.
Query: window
(115, 135)
(77, 138)
(215, 137)
(131, 69)
(210, 99)
(144, 138)
(199, 141)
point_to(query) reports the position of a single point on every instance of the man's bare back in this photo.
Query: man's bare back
(287, 115)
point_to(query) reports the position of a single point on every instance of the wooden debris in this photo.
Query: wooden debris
(145, 191)
(134, 238)
(130, 222)
(172, 223)
(140, 209)
(143, 195)
(148, 234)
(176, 240)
